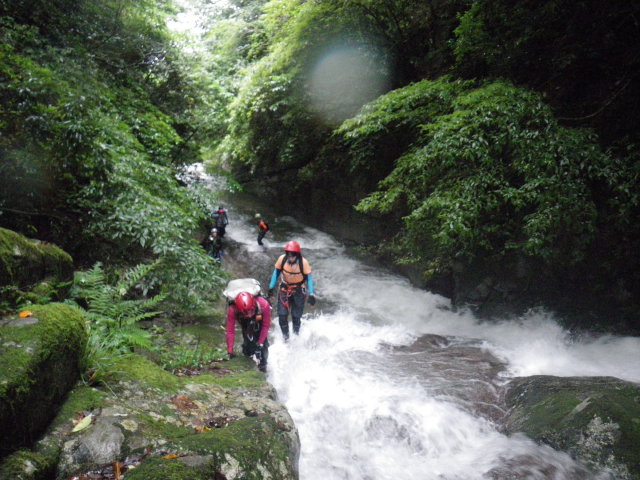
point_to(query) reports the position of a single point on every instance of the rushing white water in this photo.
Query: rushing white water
(385, 381)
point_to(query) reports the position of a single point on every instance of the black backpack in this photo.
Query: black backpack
(220, 219)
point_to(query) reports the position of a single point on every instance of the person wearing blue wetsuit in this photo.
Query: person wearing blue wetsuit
(297, 282)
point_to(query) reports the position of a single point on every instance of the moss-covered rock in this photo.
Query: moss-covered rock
(252, 448)
(26, 465)
(30, 266)
(40, 358)
(224, 423)
(182, 468)
(595, 419)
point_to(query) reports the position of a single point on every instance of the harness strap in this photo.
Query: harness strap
(287, 291)
(300, 262)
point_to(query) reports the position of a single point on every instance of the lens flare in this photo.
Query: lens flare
(344, 79)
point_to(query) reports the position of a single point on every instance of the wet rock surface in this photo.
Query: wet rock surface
(596, 419)
(219, 421)
(40, 357)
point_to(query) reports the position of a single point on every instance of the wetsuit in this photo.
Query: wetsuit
(254, 330)
(297, 281)
(263, 228)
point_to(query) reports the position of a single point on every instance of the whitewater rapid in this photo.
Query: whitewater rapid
(388, 382)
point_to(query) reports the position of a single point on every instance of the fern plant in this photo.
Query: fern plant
(113, 318)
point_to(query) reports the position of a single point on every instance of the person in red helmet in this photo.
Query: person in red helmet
(254, 315)
(297, 282)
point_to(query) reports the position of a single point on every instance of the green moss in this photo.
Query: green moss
(38, 366)
(57, 262)
(171, 469)
(17, 354)
(42, 293)
(13, 246)
(596, 418)
(82, 398)
(237, 380)
(138, 369)
(159, 429)
(250, 441)
(24, 262)
(545, 417)
(57, 326)
(204, 333)
(620, 406)
(25, 465)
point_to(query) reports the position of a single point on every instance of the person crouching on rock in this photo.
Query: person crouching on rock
(254, 316)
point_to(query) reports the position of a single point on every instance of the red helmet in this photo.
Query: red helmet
(292, 246)
(246, 304)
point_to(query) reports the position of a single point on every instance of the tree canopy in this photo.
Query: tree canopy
(95, 124)
(501, 134)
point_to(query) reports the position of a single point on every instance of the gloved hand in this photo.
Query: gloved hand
(258, 353)
(231, 355)
(312, 300)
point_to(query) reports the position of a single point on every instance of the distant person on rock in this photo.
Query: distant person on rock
(297, 282)
(253, 313)
(213, 245)
(263, 228)
(220, 220)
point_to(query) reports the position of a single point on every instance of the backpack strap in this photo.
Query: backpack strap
(258, 310)
(299, 261)
(284, 259)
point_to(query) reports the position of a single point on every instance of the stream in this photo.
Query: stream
(387, 382)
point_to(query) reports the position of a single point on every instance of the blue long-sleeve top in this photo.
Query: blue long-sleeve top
(307, 278)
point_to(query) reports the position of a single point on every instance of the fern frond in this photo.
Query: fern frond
(132, 277)
(111, 320)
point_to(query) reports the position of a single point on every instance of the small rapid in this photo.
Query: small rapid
(387, 382)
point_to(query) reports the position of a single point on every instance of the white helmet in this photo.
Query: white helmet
(258, 215)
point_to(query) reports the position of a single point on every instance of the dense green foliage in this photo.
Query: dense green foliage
(96, 117)
(478, 132)
(275, 120)
(114, 308)
(581, 54)
(31, 272)
(112, 317)
(493, 174)
(501, 134)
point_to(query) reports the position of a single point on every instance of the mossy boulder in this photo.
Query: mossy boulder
(27, 465)
(596, 419)
(225, 423)
(32, 266)
(40, 361)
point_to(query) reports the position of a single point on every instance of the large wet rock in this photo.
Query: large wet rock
(231, 425)
(596, 419)
(40, 358)
(32, 266)
(222, 423)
